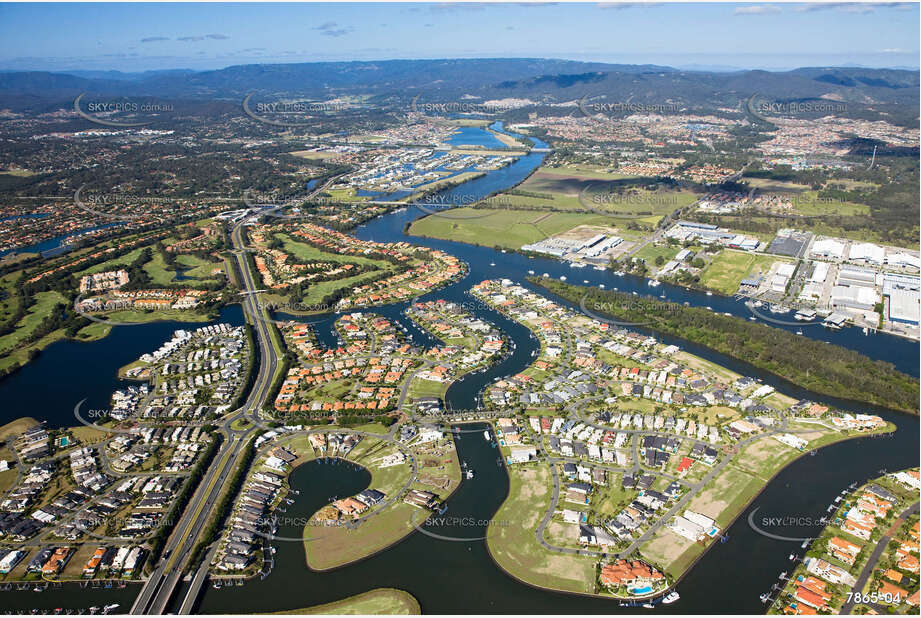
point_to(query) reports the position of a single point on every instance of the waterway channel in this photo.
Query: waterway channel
(460, 577)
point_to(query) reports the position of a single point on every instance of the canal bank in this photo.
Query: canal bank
(459, 576)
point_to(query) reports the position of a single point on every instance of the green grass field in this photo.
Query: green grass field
(585, 188)
(425, 388)
(503, 228)
(306, 252)
(729, 267)
(583, 170)
(513, 544)
(44, 303)
(384, 601)
(650, 252)
(113, 264)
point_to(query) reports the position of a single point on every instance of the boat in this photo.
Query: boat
(562, 277)
(649, 606)
(108, 608)
(585, 281)
(469, 474)
(601, 286)
(757, 304)
(599, 267)
(545, 275)
(709, 293)
(799, 332)
(486, 434)
(492, 263)
(653, 283)
(577, 264)
(671, 597)
(530, 272)
(764, 597)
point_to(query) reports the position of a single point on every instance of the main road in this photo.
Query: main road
(159, 588)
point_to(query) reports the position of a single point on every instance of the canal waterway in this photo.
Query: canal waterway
(459, 576)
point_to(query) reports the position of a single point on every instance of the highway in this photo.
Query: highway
(159, 588)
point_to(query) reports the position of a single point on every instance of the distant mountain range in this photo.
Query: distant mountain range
(542, 80)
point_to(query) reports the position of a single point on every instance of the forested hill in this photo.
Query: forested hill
(817, 366)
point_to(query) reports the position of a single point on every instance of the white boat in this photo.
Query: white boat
(110, 607)
(492, 263)
(562, 277)
(545, 275)
(585, 281)
(649, 606)
(653, 283)
(599, 267)
(709, 293)
(486, 434)
(469, 474)
(601, 286)
(757, 304)
(530, 272)
(671, 597)
(799, 332)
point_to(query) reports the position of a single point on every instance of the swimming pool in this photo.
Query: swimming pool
(643, 590)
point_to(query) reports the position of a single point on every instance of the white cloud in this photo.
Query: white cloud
(757, 9)
(853, 7)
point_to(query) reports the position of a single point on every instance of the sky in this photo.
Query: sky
(140, 37)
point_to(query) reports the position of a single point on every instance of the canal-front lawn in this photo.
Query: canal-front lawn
(512, 539)
(380, 601)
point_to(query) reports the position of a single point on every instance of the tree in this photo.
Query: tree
(660, 260)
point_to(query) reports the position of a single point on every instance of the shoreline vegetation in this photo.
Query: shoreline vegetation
(817, 366)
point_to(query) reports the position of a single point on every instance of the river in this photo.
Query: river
(465, 580)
